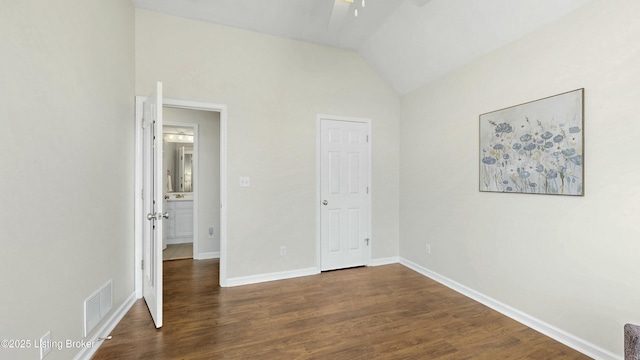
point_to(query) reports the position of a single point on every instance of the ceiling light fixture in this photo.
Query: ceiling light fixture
(178, 137)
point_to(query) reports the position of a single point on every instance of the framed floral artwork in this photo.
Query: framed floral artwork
(535, 148)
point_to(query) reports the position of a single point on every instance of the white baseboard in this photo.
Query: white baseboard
(254, 279)
(208, 255)
(384, 261)
(107, 327)
(176, 241)
(551, 331)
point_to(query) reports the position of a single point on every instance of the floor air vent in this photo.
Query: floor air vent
(96, 307)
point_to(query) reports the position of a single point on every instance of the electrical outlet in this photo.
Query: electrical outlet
(283, 250)
(428, 249)
(245, 181)
(45, 345)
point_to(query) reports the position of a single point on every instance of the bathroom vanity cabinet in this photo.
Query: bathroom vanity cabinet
(178, 228)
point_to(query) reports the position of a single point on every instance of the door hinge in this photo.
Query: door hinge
(367, 189)
(367, 138)
(142, 264)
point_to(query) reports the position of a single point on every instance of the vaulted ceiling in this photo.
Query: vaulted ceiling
(407, 42)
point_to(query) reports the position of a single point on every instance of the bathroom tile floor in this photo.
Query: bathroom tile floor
(178, 251)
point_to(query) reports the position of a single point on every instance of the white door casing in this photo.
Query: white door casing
(344, 205)
(153, 204)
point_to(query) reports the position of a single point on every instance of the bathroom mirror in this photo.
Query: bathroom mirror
(178, 159)
(185, 168)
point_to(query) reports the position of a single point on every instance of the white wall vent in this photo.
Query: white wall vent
(97, 306)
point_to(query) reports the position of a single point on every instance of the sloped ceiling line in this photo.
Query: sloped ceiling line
(407, 42)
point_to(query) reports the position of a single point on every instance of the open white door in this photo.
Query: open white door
(153, 205)
(344, 192)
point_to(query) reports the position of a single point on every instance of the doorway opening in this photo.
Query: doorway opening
(191, 153)
(220, 112)
(180, 143)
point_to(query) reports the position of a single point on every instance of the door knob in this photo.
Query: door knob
(325, 202)
(157, 216)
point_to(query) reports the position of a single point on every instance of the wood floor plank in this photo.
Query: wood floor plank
(386, 312)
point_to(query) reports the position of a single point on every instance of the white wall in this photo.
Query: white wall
(568, 261)
(209, 176)
(274, 88)
(66, 219)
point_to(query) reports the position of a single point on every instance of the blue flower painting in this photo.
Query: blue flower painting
(534, 148)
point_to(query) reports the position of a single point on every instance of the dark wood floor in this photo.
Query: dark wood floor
(385, 312)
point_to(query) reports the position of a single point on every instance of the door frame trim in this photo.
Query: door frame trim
(367, 121)
(138, 186)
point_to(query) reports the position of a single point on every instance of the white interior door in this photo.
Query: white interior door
(153, 205)
(344, 193)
